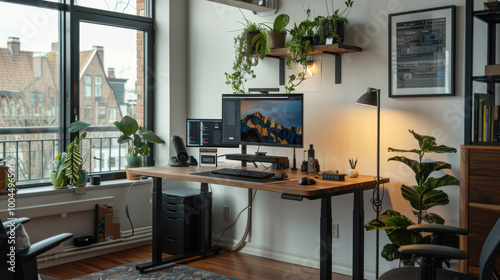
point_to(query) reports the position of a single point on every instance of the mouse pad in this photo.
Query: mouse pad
(246, 179)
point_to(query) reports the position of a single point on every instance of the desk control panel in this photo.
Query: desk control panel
(333, 176)
(291, 196)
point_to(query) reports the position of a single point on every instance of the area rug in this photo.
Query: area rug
(164, 272)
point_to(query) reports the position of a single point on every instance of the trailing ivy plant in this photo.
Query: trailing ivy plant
(422, 197)
(244, 61)
(299, 48)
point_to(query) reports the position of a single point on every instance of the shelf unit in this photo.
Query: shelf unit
(333, 49)
(491, 18)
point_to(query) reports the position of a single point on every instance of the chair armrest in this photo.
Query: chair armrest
(16, 222)
(437, 228)
(436, 251)
(43, 246)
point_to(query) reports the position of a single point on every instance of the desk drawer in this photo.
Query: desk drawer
(173, 214)
(484, 190)
(484, 163)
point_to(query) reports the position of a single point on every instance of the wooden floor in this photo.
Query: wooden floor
(237, 265)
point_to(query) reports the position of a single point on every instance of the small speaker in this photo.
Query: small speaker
(180, 149)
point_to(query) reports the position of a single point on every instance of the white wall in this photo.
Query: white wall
(337, 128)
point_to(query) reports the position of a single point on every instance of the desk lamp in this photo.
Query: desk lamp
(372, 98)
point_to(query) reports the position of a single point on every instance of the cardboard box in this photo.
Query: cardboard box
(492, 70)
(108, 223)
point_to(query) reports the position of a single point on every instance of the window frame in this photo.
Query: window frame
(70, 16)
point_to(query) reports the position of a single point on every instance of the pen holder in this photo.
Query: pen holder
(353, 173)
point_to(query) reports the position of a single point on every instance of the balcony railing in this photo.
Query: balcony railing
(34, 157)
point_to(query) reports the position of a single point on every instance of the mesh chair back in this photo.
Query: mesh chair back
(490, 253)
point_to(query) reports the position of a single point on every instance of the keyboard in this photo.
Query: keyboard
(244, 173)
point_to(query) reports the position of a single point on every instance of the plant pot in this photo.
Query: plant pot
(276, 41)
(85, 178)
(59, 182)
(308, 38)
(316, 40)
(253, 34)
(336, 31)
(353, 173)
(131, 162)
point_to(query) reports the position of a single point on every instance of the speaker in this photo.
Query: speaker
(181, 156)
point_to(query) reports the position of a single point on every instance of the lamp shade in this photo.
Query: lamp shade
(369, 98)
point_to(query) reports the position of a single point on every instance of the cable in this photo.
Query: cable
(377, 202)
(224, 230)
(126, 210)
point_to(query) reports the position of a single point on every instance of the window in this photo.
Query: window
(35, 36)
(98, 86)
(40, 100)
(112, 115)
(88, 86)
(33, 99)
(101, 117)
(88, 114)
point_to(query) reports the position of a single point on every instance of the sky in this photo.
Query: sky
(286, 112)
(37, 29)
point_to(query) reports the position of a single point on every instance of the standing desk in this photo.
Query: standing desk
(323, 190)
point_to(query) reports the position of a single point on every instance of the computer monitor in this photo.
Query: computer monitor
(205, 133)
(263, 119)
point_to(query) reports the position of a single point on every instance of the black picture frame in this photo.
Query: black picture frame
(422, 53)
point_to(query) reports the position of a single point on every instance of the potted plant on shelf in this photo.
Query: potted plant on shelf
(276, 35)
(422, 197)
(136, 138)
(334, 25)
(244, 60)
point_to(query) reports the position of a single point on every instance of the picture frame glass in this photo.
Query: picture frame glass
(422, 53)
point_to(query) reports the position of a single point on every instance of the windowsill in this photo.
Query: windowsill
(50, 190)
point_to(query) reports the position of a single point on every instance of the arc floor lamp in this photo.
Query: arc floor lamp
(372, 98)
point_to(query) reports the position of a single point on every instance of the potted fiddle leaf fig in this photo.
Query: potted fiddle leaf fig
(422, 197)
(136, 138)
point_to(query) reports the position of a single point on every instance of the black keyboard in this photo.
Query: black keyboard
(244, 173)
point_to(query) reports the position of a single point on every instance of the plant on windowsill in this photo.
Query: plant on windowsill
(7, 177)
(422, 197)
(244, 61)
(136, 138)
(67, 166)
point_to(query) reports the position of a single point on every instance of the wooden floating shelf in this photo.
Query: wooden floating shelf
(319, 49)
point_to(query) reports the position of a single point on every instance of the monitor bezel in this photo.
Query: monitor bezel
(269, 96)
(201, 146)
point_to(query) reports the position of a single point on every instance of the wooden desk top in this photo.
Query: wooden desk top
(291, 186)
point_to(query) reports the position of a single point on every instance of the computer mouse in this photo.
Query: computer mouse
(307, 181)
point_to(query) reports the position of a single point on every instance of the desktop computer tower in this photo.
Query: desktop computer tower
(180, 220)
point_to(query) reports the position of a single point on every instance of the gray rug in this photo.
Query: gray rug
(164, 272)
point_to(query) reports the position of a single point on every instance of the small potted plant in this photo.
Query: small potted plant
(334, 25)
(244, 60)
(276, 35)
(73, 163)
(136, 138)
(7, 177)
(58, 174)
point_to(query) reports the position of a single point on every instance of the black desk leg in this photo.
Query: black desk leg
(358, 240)
(205, 211)
(157, 195)
(325, 265)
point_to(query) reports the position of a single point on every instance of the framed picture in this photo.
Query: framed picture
(422, 53)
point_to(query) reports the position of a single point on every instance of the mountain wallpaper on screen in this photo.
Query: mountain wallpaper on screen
(261, 129)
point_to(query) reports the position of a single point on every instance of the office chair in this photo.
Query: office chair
(23, 261)
(429, 270)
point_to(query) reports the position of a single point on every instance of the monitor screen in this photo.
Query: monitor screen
(268, 120)
(205, 133)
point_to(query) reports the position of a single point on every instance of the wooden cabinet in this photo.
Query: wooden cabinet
(479, 200)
